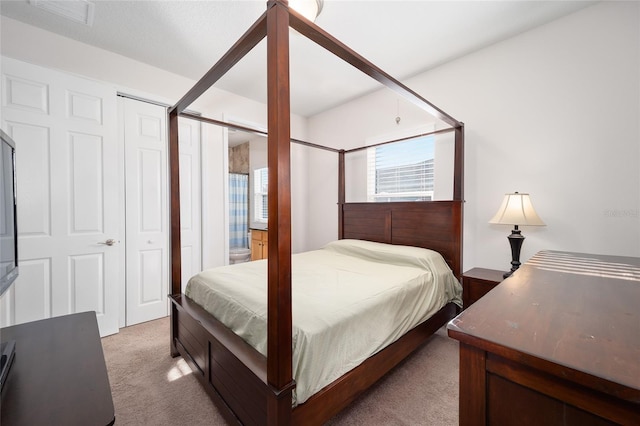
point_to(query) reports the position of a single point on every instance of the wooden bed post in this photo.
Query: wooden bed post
(341, 193)
(279, 323)
(458, 190)
(174, 176)
(176, 259)
(458, 178)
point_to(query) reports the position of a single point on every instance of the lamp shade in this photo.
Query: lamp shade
(516, 209)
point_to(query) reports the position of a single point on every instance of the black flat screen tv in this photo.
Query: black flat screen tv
(8, 214)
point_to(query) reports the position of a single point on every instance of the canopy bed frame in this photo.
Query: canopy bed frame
(248, 387)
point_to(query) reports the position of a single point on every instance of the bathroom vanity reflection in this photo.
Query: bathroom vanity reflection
(259, 244)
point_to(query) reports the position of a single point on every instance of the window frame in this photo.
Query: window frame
(261, 195)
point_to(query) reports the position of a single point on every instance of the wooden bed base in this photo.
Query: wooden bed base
(248, 387)
(235, 375)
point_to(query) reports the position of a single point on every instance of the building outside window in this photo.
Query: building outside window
(401, 171)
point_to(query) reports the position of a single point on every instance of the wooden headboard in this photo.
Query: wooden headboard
(436, 225)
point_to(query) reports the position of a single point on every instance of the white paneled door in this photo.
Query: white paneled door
(68, 198)
(147, 207)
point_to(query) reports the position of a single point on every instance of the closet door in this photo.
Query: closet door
(68, 198)
(147, 207)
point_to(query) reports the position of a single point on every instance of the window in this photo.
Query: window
(260, 194)
(401, 171)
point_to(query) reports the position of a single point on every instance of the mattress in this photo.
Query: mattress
(350, 299)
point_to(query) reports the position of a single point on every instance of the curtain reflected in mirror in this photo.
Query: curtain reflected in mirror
(238, 210)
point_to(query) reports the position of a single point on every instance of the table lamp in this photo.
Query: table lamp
(517, 210)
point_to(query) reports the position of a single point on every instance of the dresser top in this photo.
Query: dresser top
(59, 374)
(580, 311)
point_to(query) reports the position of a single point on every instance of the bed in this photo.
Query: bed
(351, 299)
(247, 386)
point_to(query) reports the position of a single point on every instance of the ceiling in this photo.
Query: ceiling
(404, 38)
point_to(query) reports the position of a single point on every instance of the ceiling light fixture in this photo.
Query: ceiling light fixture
(310, 9)
(76, 10)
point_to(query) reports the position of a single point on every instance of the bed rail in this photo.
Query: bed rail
(234, 373)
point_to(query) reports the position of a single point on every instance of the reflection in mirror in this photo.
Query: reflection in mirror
(260, 194)
(239, 190)
(248, 155)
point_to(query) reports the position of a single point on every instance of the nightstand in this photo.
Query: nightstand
(477, 282)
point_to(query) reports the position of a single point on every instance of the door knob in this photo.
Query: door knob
(109, 242)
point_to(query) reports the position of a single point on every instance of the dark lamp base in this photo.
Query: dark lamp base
(515, 240)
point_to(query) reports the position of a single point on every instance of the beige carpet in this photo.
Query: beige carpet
(151, 388)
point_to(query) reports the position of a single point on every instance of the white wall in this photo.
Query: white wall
(554, 112)
(40, 47)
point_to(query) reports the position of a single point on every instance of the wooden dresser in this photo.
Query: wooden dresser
(59, 376)
(557, 343)
(477, 282)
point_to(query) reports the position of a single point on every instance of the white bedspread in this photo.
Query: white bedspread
(350, 300)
